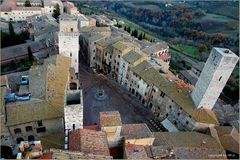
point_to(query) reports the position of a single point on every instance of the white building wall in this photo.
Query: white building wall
(73, 114)
(214, 77)
(69, 40)
(69, 47)
(92, 53)
(142, 86)
(19, 15)
(123, 66)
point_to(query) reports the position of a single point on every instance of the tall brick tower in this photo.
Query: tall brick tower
(68, 38)
(214, 77)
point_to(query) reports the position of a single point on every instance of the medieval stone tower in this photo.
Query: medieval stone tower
(68, 38)
(214, 77)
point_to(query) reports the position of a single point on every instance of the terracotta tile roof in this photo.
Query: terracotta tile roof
(189, 140)
(189, 75)
(89, 142)
(132, 57)
(120, 45)
(66, 154)
(160, 152)
(235, 124)
(136, 131)
(53, 141)
(178, 94)
(109, 41)
(92, 127)
(95, 37)
(155, 47)
(194, 153)
(20, 50)
(116, 152)
(229, 138)
(110, 118)
(135, 152)
(47, 87)
(95, 29)
(167, 152)
(74, 140)
(46, 156)
(194, 64)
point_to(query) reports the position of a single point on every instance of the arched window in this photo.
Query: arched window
(20, 139)
(175, 122)
(220, 78)
(150, 105)
(31, 138)
(73, 86)
(17, 131)
(28, 128)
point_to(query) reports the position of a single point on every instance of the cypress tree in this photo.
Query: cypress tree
(30, 56)
(56, 11)
(11, 29)
(27, 4)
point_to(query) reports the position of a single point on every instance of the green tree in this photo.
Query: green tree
(202, 48)
(118, 25)
(30, 55)
(128, 29)
(27, 4)
(11, 29)
(56, 11)
(135, 33)
(140, 37)
(144, 36)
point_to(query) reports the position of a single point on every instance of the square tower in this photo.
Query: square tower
(68, 38)
(214, 77)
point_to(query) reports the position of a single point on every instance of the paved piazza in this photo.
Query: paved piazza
(117, 99)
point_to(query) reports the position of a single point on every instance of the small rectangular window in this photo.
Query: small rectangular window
(220, 78)
(28, 128)
(39, 123)
(162, 94)
(41, 130)
(17, 131)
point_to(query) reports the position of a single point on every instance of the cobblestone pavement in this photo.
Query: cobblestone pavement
(118, 99)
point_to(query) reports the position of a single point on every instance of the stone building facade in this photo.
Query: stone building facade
(69, 39)
(16, 11)
(43, 113)
(214, 77)
(132, 69)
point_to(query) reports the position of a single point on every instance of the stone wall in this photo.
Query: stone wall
(52, 126)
